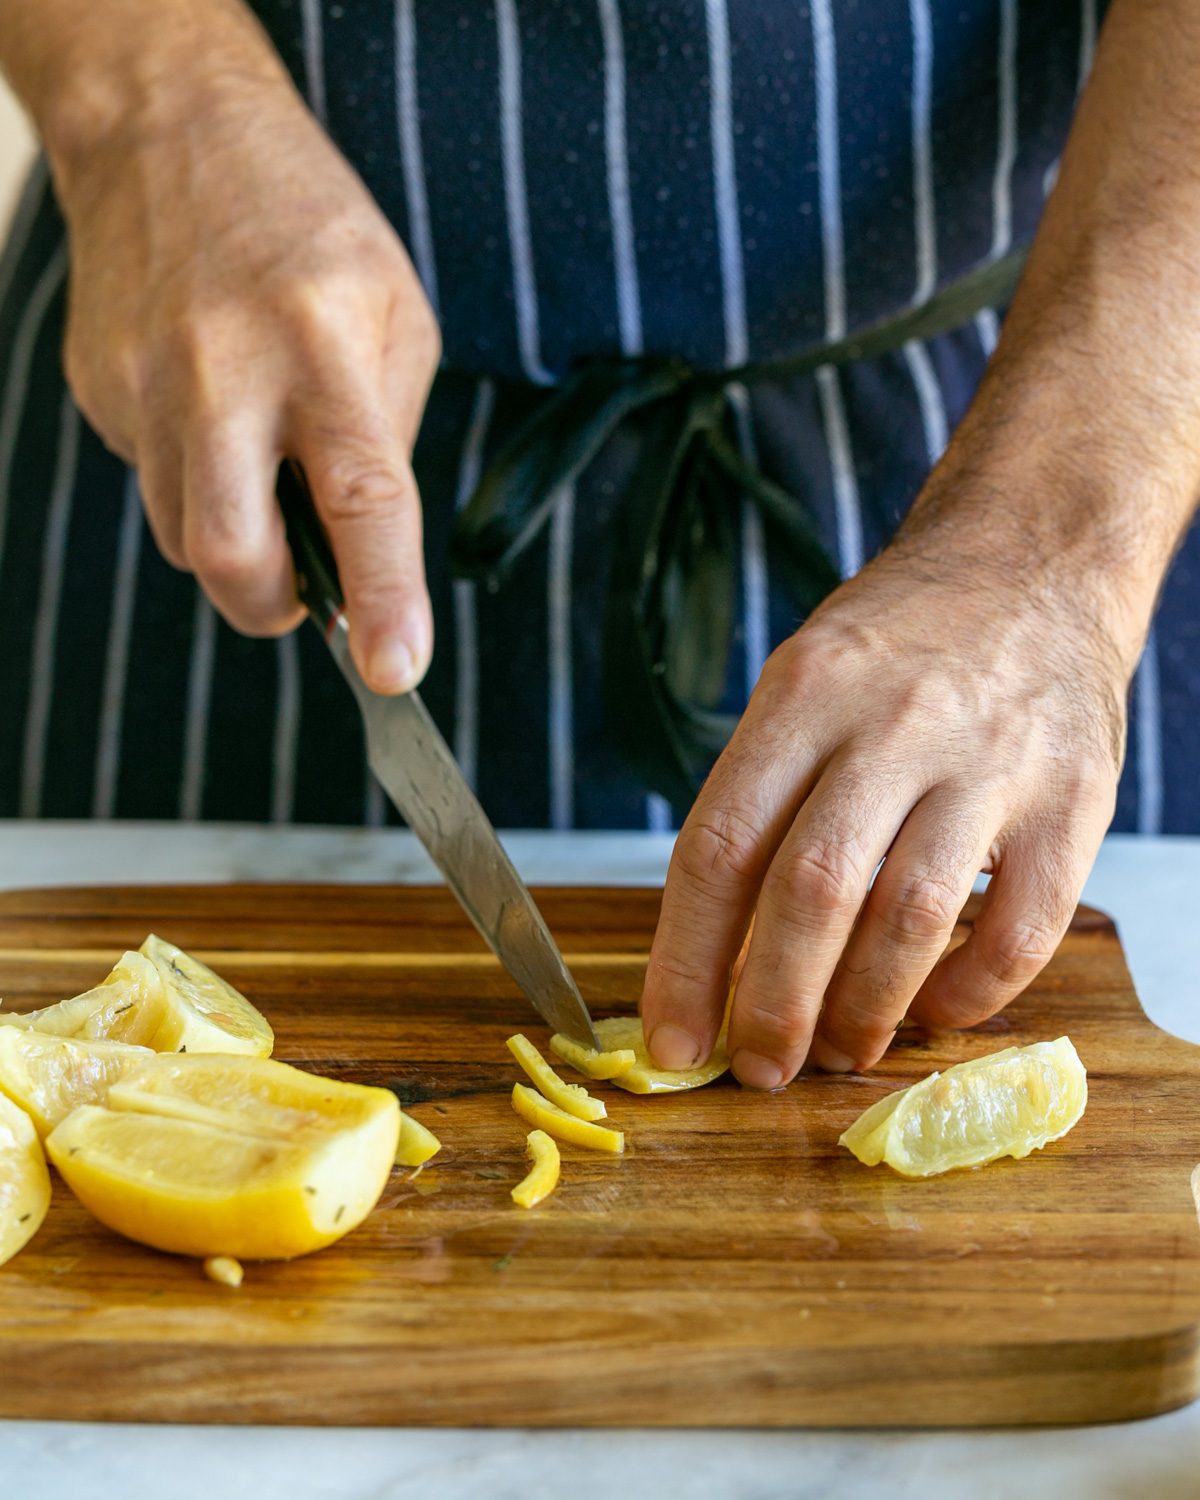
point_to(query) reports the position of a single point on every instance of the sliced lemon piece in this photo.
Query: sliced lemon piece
(624, 1033)
(568, 1096)
(1008, 1103)
(24, 1180)
(230, 1156)
(540, 1113)
(204, 1013)
(129, 1006)
(417, 1143)
(49, 1076)
(598, 1065)
(543, 1175)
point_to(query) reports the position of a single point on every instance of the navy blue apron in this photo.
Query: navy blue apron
(725, 181)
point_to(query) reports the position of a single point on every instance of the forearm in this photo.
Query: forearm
(1086, 432)
(92, 71)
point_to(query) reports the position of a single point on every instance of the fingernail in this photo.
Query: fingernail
(829, 1059)
(757, 1072)
(391, 667)
(673, 1048)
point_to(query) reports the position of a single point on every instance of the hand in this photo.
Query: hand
(237, 296)
(943, 713)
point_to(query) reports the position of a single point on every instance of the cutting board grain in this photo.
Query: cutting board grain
(734, 1268)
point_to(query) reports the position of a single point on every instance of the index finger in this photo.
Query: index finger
(365, 493)
(720, 858)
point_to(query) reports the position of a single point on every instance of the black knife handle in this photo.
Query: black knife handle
(317, 581)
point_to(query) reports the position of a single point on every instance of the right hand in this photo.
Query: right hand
(238, 297)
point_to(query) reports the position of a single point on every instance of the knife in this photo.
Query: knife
(415, 767)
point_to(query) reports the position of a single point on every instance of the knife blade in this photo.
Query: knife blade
(416, 768)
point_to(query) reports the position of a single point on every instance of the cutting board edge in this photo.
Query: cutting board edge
(1073, 1384)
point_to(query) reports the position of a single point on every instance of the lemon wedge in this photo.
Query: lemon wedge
(204, 1013)
(49, 1076)
(598, 1065)
(540, 1113)
(624, 1034)
(129, 1006)
(568, 1096)
(229, 1156)
(543, 1175)
(24, 1180)
(1008, 1103)
(417, 1143)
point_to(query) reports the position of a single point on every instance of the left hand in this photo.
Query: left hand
(949, 710)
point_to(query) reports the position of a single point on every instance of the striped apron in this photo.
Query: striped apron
(724, 180)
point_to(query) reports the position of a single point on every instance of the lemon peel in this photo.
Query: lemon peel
(543, 1176)
(568, 1096)
(597, 1065)
(544, 1115)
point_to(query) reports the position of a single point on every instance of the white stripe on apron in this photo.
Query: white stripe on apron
(922, 150)
(287, 727)
(408, 125)
(466, 631)
(1148, 729)
(515, 195)
(195, 732)
(620, 207)
(755, 623)
(558, 591)
(313, 41)
(12, 403)
(625, 266)
(54, 554)
(847, 507)
(1006, 125)
(929, 399)
(116, 660)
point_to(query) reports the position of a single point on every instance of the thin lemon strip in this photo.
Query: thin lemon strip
(598, 1065)
(568, 1096)
(204, 1013)
(48, 1076)
(1007, 1103)
(624, 1033)
(543, 1175)
(543, 1115)
(24, 1180)
(417, 1143)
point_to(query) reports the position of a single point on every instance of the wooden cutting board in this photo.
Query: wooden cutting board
(736, 1267)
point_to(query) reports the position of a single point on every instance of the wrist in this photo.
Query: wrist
(100, 81)
(1058, 509)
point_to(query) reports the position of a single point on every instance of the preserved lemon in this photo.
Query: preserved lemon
(539, 1112)
(1005, 1104)
(543, 1175)
(417, 1143)
(204, 1012)
(624, 1034)
(568, 1096)
(129, 1006)
(229, 1156)
(598, 1065)
(24, 1180)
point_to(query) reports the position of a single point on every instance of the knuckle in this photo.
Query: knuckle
(777, 1030)
(718, 847)
(822, 876)
(220, 553)
(1020, 950)
(360, 488)
(921, 909)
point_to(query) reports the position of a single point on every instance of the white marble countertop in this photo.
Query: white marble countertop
(1149, 885)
